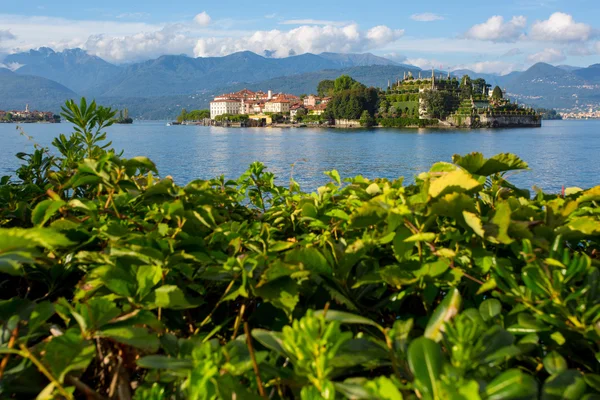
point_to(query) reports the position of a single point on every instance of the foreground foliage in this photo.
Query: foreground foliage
(119, 284)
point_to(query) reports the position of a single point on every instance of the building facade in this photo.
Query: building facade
(277, 106)
(225, 106)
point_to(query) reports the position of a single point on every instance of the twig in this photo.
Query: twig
(434, 251)
(238, 321)
(85, 389)
(11, 343)
(115, 380)
(261, 389)
(209, 316)
(27, 354)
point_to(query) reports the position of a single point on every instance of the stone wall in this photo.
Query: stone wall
(347, 123)
(496, 121)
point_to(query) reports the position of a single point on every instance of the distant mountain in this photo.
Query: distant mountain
(40, 93)
(591, 73)
(73, 68)
(377, 76)
(492, 79)
(547, 86)
(568, 68)
(176, 75)
(173, 75)
(356, 60)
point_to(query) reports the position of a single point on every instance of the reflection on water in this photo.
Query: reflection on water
(560, 153)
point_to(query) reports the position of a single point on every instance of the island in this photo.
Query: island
(410, 102)
(124, 117)
(26, 116)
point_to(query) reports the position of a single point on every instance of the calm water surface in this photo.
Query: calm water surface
(561, 153)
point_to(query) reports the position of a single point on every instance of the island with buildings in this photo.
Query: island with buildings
(433, 101)
(28, 116)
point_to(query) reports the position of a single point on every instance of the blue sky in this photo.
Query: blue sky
(497, 37)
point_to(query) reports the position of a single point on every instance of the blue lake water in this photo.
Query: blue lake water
(560, 153)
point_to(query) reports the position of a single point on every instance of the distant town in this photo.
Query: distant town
(28, 116)
(590, 114)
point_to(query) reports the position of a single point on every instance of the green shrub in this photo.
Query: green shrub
(117, 283)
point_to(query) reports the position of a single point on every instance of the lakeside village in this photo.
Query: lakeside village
(27, 116)
(435, 101)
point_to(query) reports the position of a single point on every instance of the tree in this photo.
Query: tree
(325, 88)
(437, 103)
(478, 85)
(350, 104)
(183, 116)
(367, 119)
(466, 88)
(197, 115)
(344, 82)
(300, 114)
(497, 93)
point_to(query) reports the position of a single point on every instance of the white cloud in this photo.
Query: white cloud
(560, 27)
(490, 67)
(303, 39)
(426, 17)
(203, 19)
(5, 34)
(597, 47)
(60, 33)
(496, 29)
(11, 66)
(548, 55)
(271, 16)
(394, 56)
(313, 22)
(140, 46)
(579, 50)
(425, 63)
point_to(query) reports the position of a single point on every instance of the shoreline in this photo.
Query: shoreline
(440, 127)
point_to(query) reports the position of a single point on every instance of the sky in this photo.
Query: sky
(485, 36)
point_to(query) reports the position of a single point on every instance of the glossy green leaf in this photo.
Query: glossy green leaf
(554, 363)
(511, 384)
(447, 309)
(490, 308)
(426, 362)
(568, 384)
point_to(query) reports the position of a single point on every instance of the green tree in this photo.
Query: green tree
(300, 114)
(366, 119)
(325, 88)
(478, 85)
(350, 103)
(438, 103)
(197, 115)
(497, 93)
(342, 83)
(183, 116)
(466, 88)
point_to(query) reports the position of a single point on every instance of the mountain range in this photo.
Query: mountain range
(159, 88)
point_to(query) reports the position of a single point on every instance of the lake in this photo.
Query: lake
(560, 153)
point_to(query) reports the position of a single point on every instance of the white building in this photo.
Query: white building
(277, 106)
(226, 106)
